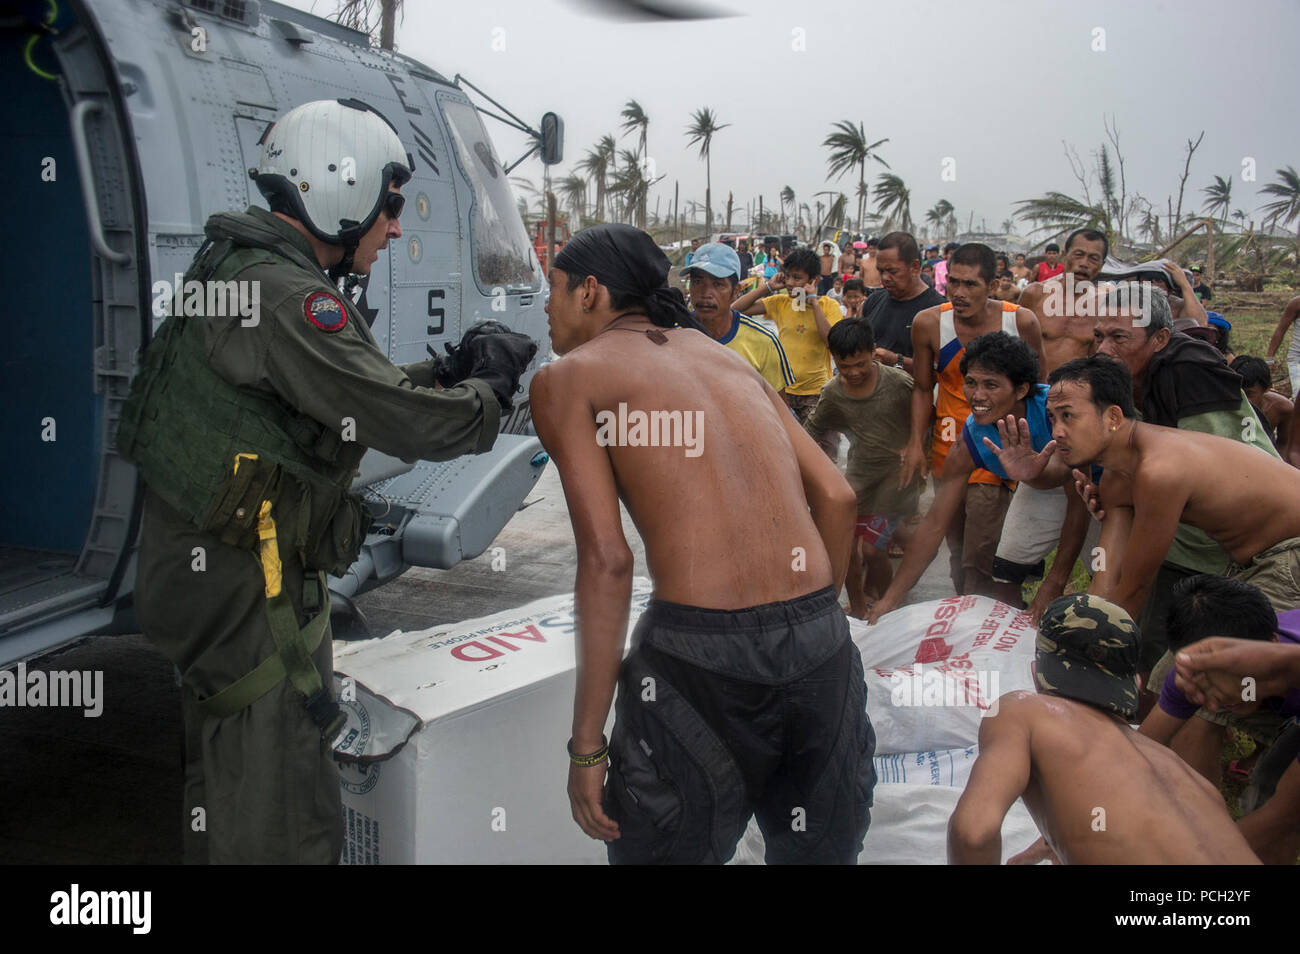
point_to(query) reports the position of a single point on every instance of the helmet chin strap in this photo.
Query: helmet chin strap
(350, 234)
(344, 265)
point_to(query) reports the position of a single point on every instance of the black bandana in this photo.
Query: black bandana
(626, 260)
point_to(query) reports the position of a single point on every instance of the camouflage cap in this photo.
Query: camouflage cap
(1087, 650)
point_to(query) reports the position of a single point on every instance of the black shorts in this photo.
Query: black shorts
(726, 714)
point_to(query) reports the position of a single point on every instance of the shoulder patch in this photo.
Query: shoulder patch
(325, 311)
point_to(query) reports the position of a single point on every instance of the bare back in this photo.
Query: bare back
(1103, 794)
(723, 513)
(1256, 508)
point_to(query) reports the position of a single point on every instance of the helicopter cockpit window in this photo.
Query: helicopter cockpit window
(503, 256)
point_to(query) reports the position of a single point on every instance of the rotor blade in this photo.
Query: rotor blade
(651, 10)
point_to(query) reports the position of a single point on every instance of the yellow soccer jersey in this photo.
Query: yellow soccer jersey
(807, 353)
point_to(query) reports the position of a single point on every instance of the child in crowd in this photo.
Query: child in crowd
(869, 403)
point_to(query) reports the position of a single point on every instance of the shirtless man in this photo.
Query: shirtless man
(1289, 314)
(870, 276)
(1274, 410)
(827, 277)
(1099, 792)
(1156, 477)
(849, 262)
(1020, 270)
(939, 338)
(1067, 334)
(1035, 524)
(723, 711)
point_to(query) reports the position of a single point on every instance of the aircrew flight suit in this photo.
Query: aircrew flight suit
(233, 553)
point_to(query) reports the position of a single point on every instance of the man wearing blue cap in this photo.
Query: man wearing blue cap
(715, 276)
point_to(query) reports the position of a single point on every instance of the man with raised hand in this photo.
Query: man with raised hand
(1155, 478)
(939, 338)
(1036, 522)
(803, 319)
(1001, 381)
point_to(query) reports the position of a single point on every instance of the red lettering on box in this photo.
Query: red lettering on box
(460, 652)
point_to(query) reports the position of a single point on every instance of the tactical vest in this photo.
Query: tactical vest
(183, 425)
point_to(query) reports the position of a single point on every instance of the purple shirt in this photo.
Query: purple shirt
(1175, 702)
(941, 276)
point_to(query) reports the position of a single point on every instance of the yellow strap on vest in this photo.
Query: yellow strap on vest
(294, 646)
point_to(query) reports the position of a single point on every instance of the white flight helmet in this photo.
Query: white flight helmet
(328, 164)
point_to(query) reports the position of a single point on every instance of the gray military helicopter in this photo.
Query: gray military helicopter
(129, 123)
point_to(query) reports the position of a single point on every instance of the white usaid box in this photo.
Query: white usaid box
(454, 748)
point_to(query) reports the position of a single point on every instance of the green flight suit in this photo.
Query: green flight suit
(264, 776)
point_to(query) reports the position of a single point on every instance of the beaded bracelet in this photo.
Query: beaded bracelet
(595, 758)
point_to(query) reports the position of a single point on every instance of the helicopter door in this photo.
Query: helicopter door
(76, 207)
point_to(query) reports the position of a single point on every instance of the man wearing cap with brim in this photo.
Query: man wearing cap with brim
(715, 277)
(1203, 291)
(1100, 792)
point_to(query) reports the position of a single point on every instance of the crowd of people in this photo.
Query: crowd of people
(1052, 412)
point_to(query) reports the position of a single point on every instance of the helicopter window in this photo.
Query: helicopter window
(502, 253)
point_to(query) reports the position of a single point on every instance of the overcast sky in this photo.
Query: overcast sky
(996, 85)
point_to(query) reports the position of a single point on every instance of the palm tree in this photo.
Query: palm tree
(849, 148)
(787, 198)
(1218, 196)
(1286, 207)
(595, 165)
(609, 149)
(367, 15)
(1149, 227)
(634, 118)
(1007, 226)
(631, 183)
(894, 202)
(573, 190)
(704, 126)
(525, 189)
(1059, 214)
(938, 215)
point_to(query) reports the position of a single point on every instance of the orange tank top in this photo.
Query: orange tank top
(950, 407)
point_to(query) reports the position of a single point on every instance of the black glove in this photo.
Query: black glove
(499, 358)
(455, 366)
